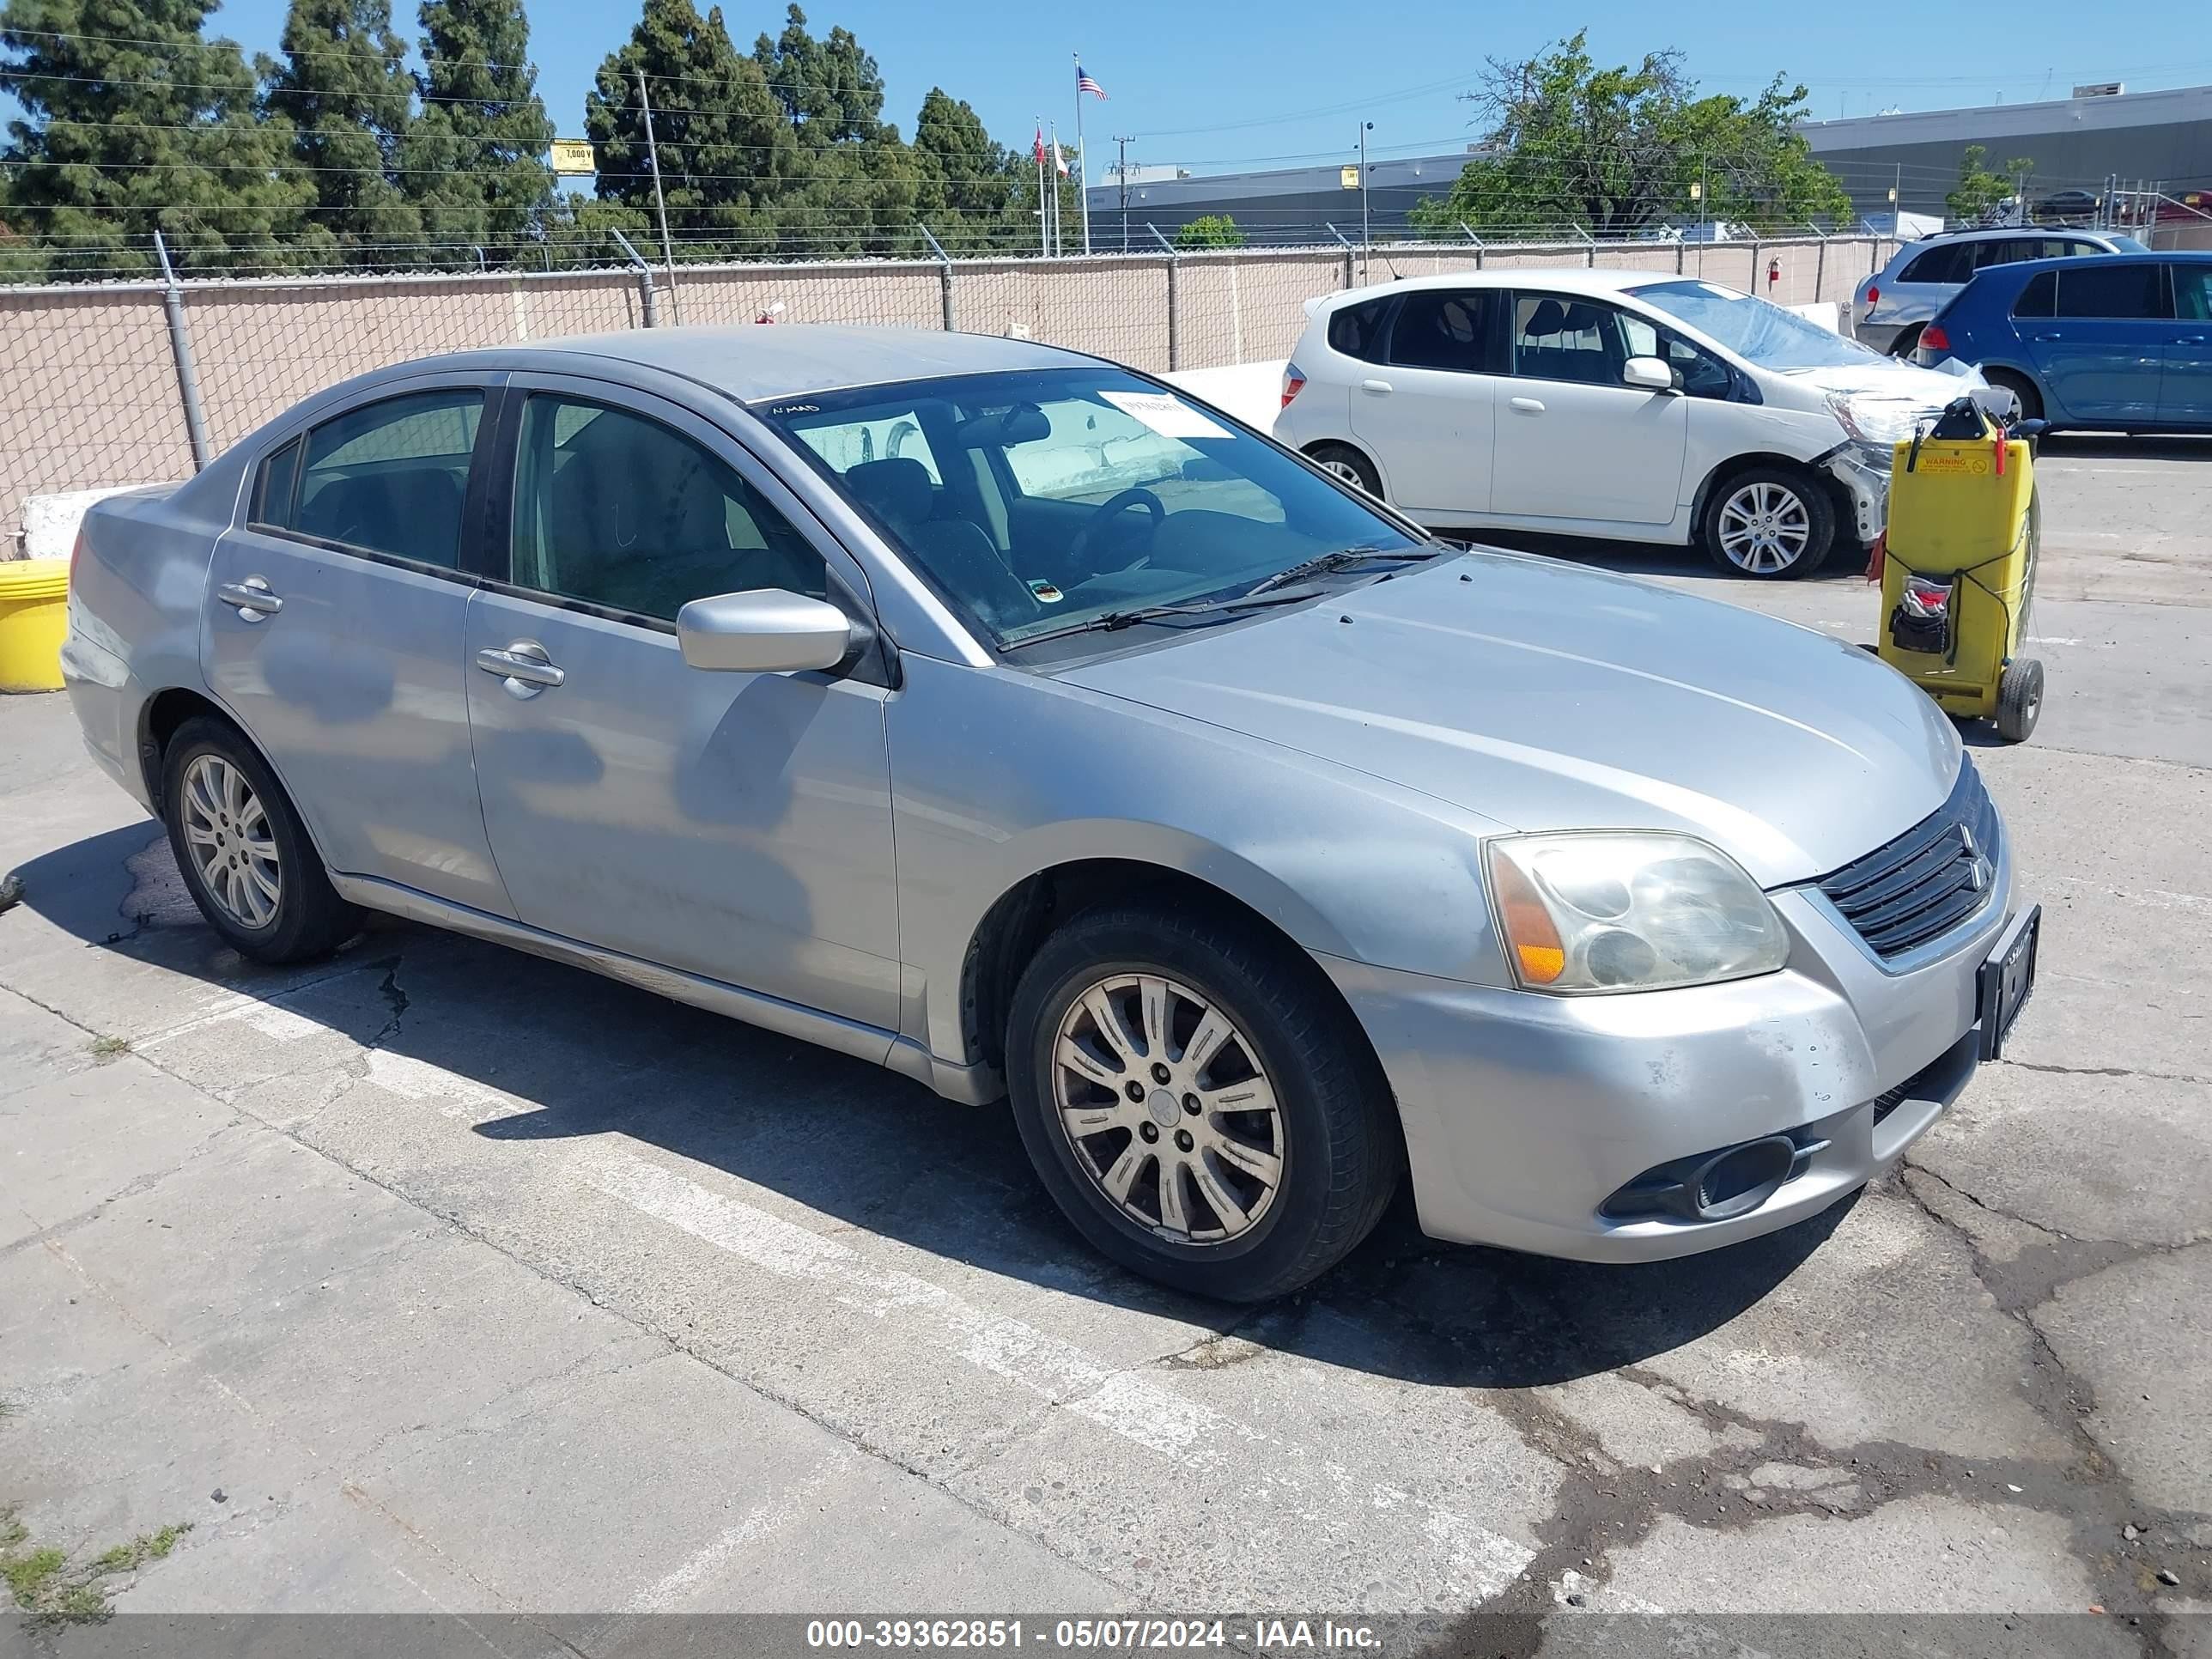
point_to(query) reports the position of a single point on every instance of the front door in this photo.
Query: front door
(1573, 441)
(1426, 412)
(333, 632)
(2102, 355)
(736, 826)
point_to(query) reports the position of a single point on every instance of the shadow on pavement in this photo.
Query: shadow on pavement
(2115, 446)
(589, 1056)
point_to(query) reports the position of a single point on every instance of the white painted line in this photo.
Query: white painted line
(2155, 898)
(665, 1594)
(1473, 1562)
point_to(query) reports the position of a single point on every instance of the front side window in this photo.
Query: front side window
(2112, 290)
(619, 512)
(1066, 494)
(2192, 293)
(389, 477)
(1444, 328)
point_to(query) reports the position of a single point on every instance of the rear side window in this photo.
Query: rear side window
(2040, 297)
(272, 486)
(1952, 263)
(2112, 290)
(1356, 330)
(1445, 328)
(386, 478)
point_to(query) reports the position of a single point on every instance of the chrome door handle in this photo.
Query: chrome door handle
(1528, 405)
(251, 599)
(2047, 336)
(1379, 388)
(524, 666)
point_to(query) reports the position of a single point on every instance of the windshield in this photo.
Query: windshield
(1757, 331)
(1042, 498)
(2126, 245)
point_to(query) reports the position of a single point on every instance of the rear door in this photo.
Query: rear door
(334, 634)
(1573, 441)
(2101, 355)
(2184, 390)
(1427, 412)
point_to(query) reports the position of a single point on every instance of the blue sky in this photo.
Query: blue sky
(1216, 87)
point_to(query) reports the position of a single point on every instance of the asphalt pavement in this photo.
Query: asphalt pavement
(436, 1279)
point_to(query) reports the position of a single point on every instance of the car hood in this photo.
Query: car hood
(1544, 696)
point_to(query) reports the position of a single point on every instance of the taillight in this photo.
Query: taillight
(1874, 294)
(1293, 380)
(1933, 338)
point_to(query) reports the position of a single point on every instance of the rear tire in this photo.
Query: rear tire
(1770, 523)
(1907, 338)
(1343, 462)
(2020, 699)
(1216, 1196)
(2030, 400)
(245, 857)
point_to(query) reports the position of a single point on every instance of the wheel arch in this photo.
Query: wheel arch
(1366, 454)
(159, 719)
(1020, 920)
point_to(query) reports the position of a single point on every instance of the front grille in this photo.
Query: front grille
(1930, 880)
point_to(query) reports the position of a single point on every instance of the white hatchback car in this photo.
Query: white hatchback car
(1607, 402)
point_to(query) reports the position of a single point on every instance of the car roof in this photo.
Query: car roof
(752, 361)
(1575, 279)
(1985, 232)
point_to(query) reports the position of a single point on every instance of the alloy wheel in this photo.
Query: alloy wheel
(1167, 1109)
(232, 848)
(1765, 528)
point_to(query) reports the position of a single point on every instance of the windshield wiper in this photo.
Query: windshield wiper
(1342, 559)
(1112, 621)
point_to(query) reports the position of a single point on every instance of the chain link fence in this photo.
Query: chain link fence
(101, 385)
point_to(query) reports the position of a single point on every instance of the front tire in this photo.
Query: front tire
(1198, 1103)
(1770, 523)
(245, 856)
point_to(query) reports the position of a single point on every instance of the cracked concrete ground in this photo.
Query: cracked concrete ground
(437, 1278)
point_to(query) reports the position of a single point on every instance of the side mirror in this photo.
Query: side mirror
(765, 630)
(1648, 374)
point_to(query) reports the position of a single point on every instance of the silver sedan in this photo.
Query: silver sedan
(1014, 721)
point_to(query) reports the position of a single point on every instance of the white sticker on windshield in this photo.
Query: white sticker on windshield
(1166, 414)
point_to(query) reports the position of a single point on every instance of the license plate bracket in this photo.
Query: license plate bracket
(2007, 980)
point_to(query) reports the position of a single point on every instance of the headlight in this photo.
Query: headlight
(1612, 910)
(1875, 423)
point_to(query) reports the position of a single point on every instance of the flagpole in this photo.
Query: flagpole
(1044, 244)
(1082, 160)
(1055, 188)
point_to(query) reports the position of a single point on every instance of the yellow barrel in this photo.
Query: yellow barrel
(1956, 508)
(34, 617)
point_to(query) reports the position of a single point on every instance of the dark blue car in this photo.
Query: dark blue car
(2119, 342)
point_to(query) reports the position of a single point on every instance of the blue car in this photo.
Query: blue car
(2116, 342)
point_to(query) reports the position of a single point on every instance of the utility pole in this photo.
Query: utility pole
(1366, 228)
(1124, 175)
(660, 196)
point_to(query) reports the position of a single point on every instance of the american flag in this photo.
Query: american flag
(1084, 83)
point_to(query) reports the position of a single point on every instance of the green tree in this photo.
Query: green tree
(1981, 196)
(830, 89)
(857, 185)
(1614, 151)
(342, 86)
(129, 121)
(970, 193)
(1210, 230)
(729, 159)
(474, 161)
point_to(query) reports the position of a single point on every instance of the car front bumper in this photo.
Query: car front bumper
(1866, 484)
(1523, 1113)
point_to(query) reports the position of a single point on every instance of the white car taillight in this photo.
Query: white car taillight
(1293, 379)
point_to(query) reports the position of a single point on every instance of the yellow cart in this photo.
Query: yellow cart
(1958, 570)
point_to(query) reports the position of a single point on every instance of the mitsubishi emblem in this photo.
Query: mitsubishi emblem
(1979, 869)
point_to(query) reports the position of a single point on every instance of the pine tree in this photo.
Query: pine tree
(728, 158)
(131, 121)
(831, 90)
(970, 194)
(473, 161)
(343, 89)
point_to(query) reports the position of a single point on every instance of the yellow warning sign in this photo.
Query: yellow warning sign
(574, 155)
